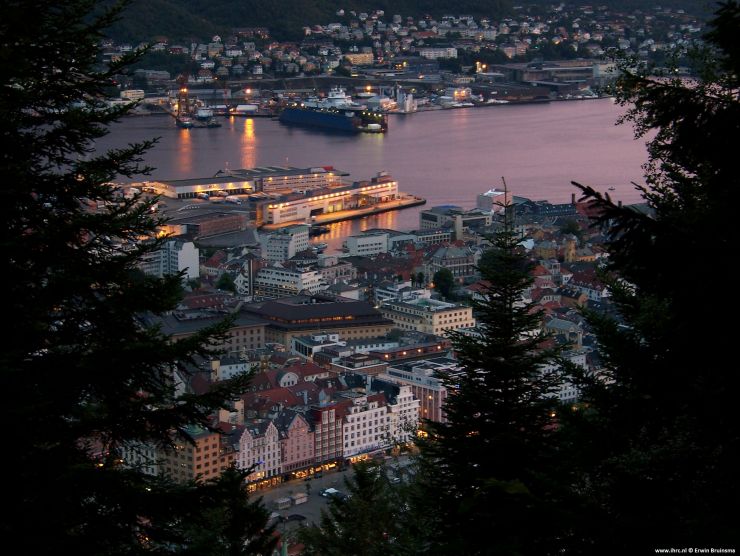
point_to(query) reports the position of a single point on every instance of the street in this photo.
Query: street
(311, 509)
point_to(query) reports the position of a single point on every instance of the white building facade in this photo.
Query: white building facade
(283, 244)
(174, 256)
(428, 315)
(277, 281)
(259, 446)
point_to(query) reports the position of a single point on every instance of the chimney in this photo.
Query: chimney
(572, 198)
(458, 226)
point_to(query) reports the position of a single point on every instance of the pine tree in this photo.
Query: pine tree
(225, 522)
(81, 372)
(662, 454)
(483, 486)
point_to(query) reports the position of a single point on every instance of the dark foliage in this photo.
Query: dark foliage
(284, 18)
(663, 431)
(484, 474)
(82, 373)
(371, 521)
(444, 282)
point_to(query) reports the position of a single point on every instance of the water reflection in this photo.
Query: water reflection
(249, 145)
(339, 231)
(185, 150)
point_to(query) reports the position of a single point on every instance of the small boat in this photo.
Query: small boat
(612, 189)
(184, 122)
(318, 230)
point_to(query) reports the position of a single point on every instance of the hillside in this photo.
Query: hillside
(180, 20)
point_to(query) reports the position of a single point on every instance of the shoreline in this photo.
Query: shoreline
(407, 201)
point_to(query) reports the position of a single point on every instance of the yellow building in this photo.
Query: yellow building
(360, 58)
(208, 458)
(429, 315)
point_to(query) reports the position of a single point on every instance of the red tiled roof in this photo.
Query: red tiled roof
(268, 398)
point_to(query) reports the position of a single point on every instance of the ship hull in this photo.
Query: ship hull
(338, 120)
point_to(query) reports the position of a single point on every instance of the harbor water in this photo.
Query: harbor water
(445, 156)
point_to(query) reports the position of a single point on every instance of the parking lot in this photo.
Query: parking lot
(311, 509)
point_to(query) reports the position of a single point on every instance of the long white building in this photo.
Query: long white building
(277, 281)
(428, 315)
(250, 180)
(301, 208)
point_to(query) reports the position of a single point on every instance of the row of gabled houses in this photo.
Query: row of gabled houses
(291, 431)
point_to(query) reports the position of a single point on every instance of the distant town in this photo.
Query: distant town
(348, 347)
(546, 53)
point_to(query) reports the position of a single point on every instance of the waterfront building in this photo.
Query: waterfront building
(456, 217)
(250, 180)
(493, 200)
(278, 178)
(303, 207)
(430, 316)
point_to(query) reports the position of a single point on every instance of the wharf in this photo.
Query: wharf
(353, 214)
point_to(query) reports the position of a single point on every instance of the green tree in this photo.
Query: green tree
(420, 279)
(226, 282)
(484, 473)
(444, 282)
(570, 226)
(662, 459)
(226, 522)
(83, 373)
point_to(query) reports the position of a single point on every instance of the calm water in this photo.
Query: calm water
(448, 156)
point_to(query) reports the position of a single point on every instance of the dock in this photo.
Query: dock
(407, 201)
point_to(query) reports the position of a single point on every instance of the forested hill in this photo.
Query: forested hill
(180, 20)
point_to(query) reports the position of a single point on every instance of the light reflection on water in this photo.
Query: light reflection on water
(249, 145)
(185, 150)
(447, 157)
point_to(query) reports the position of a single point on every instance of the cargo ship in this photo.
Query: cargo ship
(340, 119)
(336, 112)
